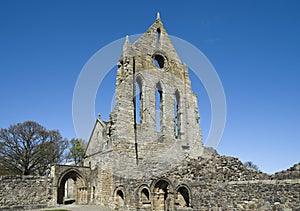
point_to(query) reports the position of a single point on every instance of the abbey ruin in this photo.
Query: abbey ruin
(149, 155)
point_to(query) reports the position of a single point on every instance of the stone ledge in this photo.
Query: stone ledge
(23, 207)
(267, 182)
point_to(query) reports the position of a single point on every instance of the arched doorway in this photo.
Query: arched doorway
(119, 198)
(144, 197)
(72, 188)
(163, 199)
(183, 199)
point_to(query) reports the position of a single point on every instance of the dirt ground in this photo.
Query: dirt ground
(73, 207)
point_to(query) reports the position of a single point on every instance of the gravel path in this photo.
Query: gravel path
(73, 207)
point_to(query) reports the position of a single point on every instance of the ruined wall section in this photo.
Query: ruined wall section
(143, 140)
(137, 63)
(99, 143)
(25, 192)
(222, 182)
(101, 185)
(122, 116)
(291, 173)
(216, 183)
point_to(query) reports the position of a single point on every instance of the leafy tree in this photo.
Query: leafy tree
(76, 153)
(251, 165)
(29, 149)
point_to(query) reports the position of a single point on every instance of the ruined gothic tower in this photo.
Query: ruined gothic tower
(149, 155)
(156, 112)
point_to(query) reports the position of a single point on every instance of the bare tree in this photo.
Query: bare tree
(29, 149)
(251, 165)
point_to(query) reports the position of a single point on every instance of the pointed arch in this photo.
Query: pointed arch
(119, 197)
(139, 98)
(158, 32)
(177, 114)
(78, 187)
(159, 106)
(144, 196)
(183, 196)
(162, 191)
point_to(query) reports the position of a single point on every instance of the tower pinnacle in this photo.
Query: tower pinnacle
(126, 46)
(158, 15)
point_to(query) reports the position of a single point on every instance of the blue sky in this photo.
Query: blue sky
(253, 45)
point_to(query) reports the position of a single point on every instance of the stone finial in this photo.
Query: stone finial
(127, 42)
(127, 39)
(99, 116)
(146, 43)
(158, 15)
(127, 45)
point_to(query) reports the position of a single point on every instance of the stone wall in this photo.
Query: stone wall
(223, 183)
(25, 192)
(155, 125)
(175, 171)
(215, 183)
(291, 173)
(81, 177)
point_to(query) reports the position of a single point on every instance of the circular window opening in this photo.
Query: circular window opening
(159, 61)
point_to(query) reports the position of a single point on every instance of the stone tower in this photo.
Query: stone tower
(156, 112)
(149, 155)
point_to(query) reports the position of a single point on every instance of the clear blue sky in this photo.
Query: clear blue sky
(253, 45)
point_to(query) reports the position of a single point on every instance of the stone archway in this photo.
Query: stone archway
(183, 197)
(163, 199)
(119, 198)
(144, 197)
(78, 191)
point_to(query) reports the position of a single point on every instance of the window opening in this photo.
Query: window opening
(183, 197)
(158, 108)
(120, 198)
(159, 61)
(145, 196)
(157, 36)
(176, 114)
(138, 103)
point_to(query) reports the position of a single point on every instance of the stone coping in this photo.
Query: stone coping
(267, 182)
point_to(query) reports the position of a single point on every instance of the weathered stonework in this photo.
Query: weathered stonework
(142, 167)
(25, 192)
(149, 155)
(152, 66)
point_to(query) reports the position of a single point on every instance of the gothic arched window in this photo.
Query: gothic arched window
(138, 100)
(157, 36)
(177, 114)
(183, 197)
(158, 106)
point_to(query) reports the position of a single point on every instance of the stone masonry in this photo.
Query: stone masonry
(25, 192)
(149, 155)
(147, 68)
